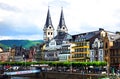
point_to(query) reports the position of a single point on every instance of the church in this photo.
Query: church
(57, 47)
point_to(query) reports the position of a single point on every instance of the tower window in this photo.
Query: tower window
(48, 33)
(49, 27)
(51, 33)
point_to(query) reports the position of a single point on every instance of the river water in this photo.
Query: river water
(23, 78)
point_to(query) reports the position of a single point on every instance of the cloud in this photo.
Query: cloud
(21, 29)
(7, 7)
(93, 14)
(58, 3)
(27, 17)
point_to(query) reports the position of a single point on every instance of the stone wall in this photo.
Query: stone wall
(63, 75)
(68, 75)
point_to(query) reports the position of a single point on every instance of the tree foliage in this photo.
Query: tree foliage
(56, 63)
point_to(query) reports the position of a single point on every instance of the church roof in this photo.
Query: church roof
(60, 37)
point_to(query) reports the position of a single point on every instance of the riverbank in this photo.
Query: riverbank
(65, 75)
(61, 75)
(68, 75)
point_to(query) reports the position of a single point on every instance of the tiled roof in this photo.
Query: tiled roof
(90, 35)
(85, 36)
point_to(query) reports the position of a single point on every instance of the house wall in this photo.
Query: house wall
(4, 56)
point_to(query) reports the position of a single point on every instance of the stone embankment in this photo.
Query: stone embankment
(68, 75)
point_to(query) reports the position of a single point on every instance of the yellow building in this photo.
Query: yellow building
(81, 51)
(85, 46)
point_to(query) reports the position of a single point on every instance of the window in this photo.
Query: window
(101, 44)
(119, 60)
(51, 33)
(48, 33)
(106, 45)
(49, 27)
(115, 60)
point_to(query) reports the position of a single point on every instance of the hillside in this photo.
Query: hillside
(24, 43)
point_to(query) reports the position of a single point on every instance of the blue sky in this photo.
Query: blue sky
(25, 19)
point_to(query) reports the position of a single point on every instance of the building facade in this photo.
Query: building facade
(115, 54)
(80, 49)
(4, 55)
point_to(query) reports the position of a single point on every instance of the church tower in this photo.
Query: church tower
(48, 28)
(62, 26)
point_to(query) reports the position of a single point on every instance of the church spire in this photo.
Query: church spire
(48, 28)
(62, 26)
(62, 20)
(48, 19)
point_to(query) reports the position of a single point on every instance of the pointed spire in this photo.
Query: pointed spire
(48, 19)
(62, 20)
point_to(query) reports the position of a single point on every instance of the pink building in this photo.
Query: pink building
(4, 56)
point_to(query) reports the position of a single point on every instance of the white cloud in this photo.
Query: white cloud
(83, 15)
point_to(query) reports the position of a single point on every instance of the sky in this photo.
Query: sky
(25, 19)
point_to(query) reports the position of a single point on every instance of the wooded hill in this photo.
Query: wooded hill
(24, 43)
